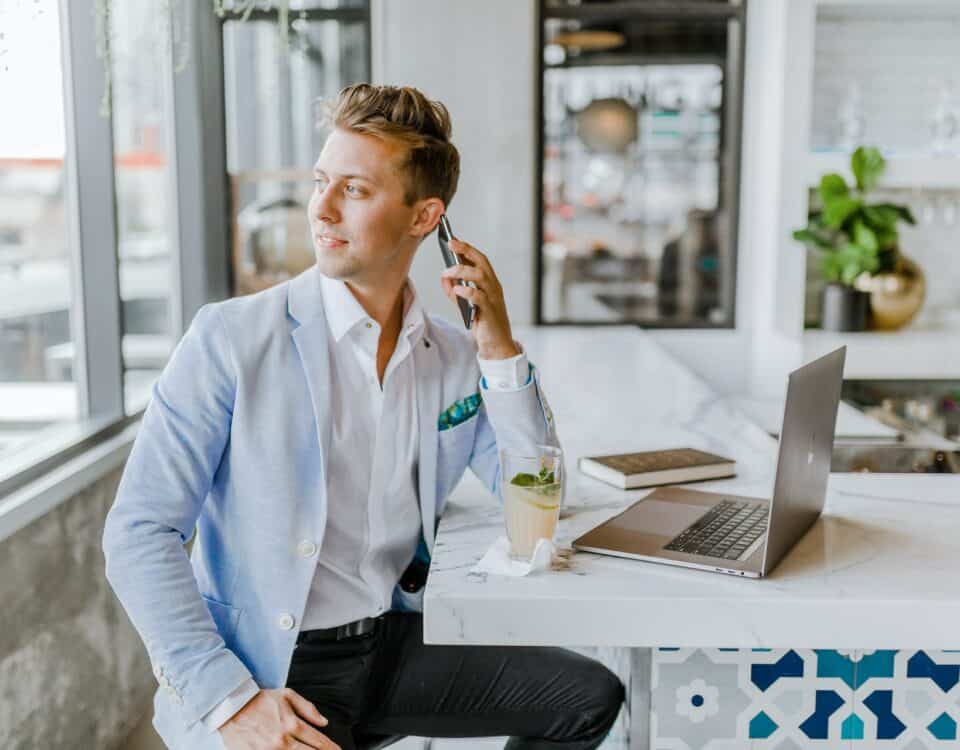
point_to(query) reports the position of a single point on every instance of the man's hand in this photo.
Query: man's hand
(276, 720)
(491, 326)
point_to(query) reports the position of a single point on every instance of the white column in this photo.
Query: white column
(778, 89)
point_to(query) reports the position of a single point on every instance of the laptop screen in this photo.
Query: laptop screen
(806, 448)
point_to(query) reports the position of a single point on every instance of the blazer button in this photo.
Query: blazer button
(306, 548)
(285, 621)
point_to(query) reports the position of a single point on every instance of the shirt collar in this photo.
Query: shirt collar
(344, 312)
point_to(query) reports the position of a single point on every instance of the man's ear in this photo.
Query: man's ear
(427, 213)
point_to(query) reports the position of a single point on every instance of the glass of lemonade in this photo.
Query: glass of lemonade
(532, 487)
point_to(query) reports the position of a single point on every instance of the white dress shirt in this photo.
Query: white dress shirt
(373, 513)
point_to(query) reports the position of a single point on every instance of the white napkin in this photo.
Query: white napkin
(497, 559)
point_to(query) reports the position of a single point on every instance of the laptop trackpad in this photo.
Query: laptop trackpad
(659, 517)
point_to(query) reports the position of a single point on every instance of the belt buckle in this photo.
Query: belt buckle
(357, 627)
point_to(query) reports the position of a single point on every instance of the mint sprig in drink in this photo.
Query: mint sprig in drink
(531, 499)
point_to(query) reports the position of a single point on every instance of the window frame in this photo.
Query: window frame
(198, 195)
(730, 160)
(197, 191)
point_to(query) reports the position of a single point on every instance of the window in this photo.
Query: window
(273, 87)
(86, 278)
(36, 394)
(102, 269)
(640, 123)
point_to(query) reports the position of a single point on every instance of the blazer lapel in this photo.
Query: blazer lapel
(305, 305)
(428, 374)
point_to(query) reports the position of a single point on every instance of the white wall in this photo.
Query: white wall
(773, 195)
(479, 58)
(900, 56)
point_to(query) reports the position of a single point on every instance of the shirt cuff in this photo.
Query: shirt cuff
(229, 706)
(504, 374)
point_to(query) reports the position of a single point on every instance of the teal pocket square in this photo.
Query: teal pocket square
(459, 412)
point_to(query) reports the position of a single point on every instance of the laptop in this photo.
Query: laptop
(736, 534)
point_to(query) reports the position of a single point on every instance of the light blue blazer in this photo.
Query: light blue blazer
(235, 443)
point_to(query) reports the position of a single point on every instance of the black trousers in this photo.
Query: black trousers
(388, 682)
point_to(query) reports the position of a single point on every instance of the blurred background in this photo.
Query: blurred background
(625, 162)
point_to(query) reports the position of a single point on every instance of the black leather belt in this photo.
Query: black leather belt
(350, 630)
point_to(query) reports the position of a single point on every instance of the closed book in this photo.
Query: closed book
(649, 468)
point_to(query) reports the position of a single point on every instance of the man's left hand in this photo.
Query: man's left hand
(491, 325)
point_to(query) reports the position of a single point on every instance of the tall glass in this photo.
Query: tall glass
(532, 488)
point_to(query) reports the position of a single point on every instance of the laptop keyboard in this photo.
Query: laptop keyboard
(727, 530)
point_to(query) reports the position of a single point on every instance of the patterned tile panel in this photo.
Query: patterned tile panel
(762, 699)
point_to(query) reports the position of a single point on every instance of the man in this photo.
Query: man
(312, 433)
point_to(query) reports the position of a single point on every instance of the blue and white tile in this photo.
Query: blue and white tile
(726, 699)
(908, 699)
(696, 700)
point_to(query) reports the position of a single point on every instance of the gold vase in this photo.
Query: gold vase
(895, 296)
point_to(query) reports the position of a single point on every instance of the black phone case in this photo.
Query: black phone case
(444, 234)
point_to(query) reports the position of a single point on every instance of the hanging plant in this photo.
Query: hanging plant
(102, 15)
(178, 34)
(243, 8)
(176, 30)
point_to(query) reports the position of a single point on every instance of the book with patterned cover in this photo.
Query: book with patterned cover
(649, 468)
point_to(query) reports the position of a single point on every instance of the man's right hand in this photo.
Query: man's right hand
(278, 719)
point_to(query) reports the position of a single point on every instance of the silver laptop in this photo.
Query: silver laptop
(734, 534)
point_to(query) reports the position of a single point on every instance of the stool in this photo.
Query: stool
(377, 741)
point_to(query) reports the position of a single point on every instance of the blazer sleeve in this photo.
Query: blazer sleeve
(510, 419)
(165, 482)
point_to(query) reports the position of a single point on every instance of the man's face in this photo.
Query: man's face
(362, 229)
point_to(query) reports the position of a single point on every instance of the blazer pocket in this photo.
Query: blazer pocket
(459, 412)
(224, 616)
(456, 434)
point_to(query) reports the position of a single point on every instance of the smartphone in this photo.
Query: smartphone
(444, 235)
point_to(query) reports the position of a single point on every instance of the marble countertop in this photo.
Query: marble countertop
(877, 571)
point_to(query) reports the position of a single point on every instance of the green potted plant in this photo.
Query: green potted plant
(856, 241)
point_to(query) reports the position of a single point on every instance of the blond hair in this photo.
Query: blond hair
(402, 113)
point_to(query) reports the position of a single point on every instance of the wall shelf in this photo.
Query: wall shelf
(903, 171)
(884, 8)
(910, 353)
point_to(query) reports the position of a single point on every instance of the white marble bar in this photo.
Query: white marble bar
(881, 569)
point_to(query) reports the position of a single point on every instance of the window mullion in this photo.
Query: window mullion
(91, 218)
(199, 205)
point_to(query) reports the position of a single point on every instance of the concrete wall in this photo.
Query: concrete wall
(73, 671)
